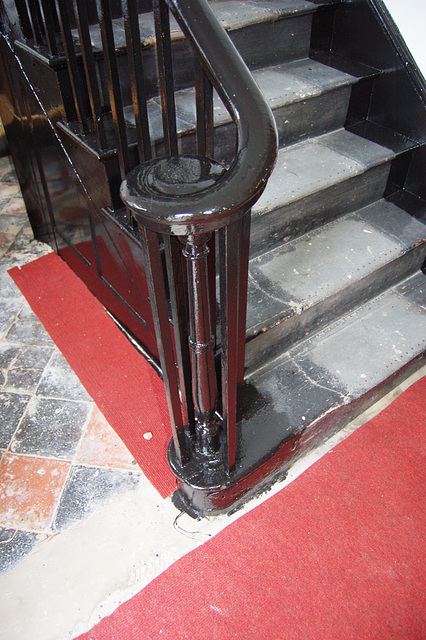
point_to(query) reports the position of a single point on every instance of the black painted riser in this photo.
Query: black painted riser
(316, 114)
(312, 117)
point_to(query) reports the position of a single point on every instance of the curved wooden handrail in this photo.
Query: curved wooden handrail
(236, 190)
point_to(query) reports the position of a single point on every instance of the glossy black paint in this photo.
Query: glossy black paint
(194, 196)
(66, 188)
(66, 104)
(245, 180)
(391, 101)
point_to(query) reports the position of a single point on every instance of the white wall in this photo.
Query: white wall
(410, 18)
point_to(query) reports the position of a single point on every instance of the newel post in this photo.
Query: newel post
(202, 367)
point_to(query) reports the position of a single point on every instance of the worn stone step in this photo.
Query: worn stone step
(311, 391)
(302, 285)
(308, 98)
(315, 181)
(240, 19)
(265, 32)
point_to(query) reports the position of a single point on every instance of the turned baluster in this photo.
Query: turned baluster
(201, 344)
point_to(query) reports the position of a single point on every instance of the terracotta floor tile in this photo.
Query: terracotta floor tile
(15, 206)
(101, 446)
(9, 189)
(30, 489)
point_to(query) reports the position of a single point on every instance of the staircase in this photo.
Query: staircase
(336, 294)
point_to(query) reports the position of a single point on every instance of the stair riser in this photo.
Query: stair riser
(260, 45)
(313, 116)
(308, 213)
(271, 43)
(263, 347)
(299, 121)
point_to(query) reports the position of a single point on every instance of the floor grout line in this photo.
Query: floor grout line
(12, 255)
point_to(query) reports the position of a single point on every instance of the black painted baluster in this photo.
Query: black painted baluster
(50, 24)
(36, 22)
(233, 251)
(24, 19)
(90, 71)
(202, 344)
(157, 293)
(165, 75)
(134, 56)
(116, 100)
(65, 10)
(204, 109)
(179, 308)
(244, 243)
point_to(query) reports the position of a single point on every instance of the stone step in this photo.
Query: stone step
(243, 20)
(309, 392)
(308, 98)
(315, 181)
(302, 285)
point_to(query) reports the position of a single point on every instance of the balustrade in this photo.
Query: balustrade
(190, 212)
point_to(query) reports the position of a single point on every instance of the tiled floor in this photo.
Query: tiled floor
(59, 458)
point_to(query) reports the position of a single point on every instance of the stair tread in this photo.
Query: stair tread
(373, 341)
(232, 14)
(326, 160)
(281, 85)
(313, 388)
(352, 355)
(294, 276)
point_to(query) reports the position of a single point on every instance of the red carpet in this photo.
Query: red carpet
(110, 369)
(339, 554)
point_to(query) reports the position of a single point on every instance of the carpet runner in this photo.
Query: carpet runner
(339, 554)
